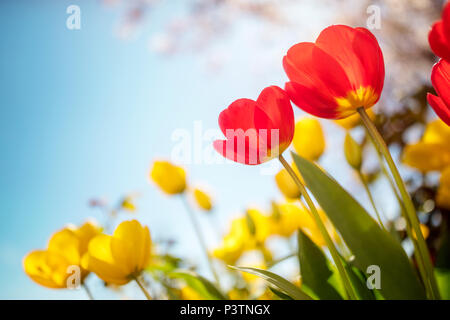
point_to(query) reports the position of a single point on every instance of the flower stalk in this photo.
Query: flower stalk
(141, 286)
(372, 201)
(313, 210)
(88, 291)
(421, 250)
(200, 238)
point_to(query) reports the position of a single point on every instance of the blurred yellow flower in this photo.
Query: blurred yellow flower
(246, 233)
(170, 178)
(292, 217)
(66, 248)
(287, 185)
(187, 293)
(432, 153)
(46, 268)
(352, 152)
(119, 258)
(443, 192)
(128, 204)
(309, 139)
(354, 120)
(202, 199)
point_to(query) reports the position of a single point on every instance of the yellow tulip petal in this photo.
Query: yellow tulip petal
(309, 139)
(170, 178)
(426, 156)
(131, 245)
(66, 243)
(437, 132)
(48, 269)
(85, 233)
(101, 261)
(287, 185)
(202, 199)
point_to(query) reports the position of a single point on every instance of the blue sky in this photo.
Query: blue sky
(84, 114)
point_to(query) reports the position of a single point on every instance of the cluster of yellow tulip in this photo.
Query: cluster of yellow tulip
(74, 252)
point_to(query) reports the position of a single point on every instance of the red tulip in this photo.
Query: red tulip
(439, 36)
(440, 78)
(257, 131)
(342, 71)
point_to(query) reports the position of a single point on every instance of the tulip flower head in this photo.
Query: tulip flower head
(170, 178)
(66, 249)
(202, 199)
(119, 258)
(257, 131)
(440, 78)
(309, 139)
(287, 185)
(339, 73)
(439, 36)
(432, 153)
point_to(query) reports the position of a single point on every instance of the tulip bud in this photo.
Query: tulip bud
(353, 152)
(309, 139)
(203, 200)
(168, 177)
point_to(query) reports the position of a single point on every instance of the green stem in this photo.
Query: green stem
(410, 212)
(334, 253)
(88, 292)
(369, 194)
(147, 295)
(201, 240)
(420, 265)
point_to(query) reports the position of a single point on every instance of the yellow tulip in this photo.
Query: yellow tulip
(128, 204)
(432, 153)
(119, 258)
(202, 199)
(352, 152)
(170, 178)
(354, 120)
(187, 293)
(65, 249)
(291, 217)
(287, 185)
(443, 192)
(246, 233)
(309, 139)
(49, 269)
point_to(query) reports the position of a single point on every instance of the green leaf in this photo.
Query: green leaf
(280, 294)
(358, 280)
(280, 283)
(442, 268)
(370, 244)
(200, 284)
(315, 269)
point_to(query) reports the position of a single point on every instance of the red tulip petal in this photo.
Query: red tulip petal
(310, 66)
(276, 106)
(312, 100)
(441, 109)
(239, 115)
(369, 53)
(358, 52)
(229, 149)
(438, 41)
(298, 64)
(440, 78)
